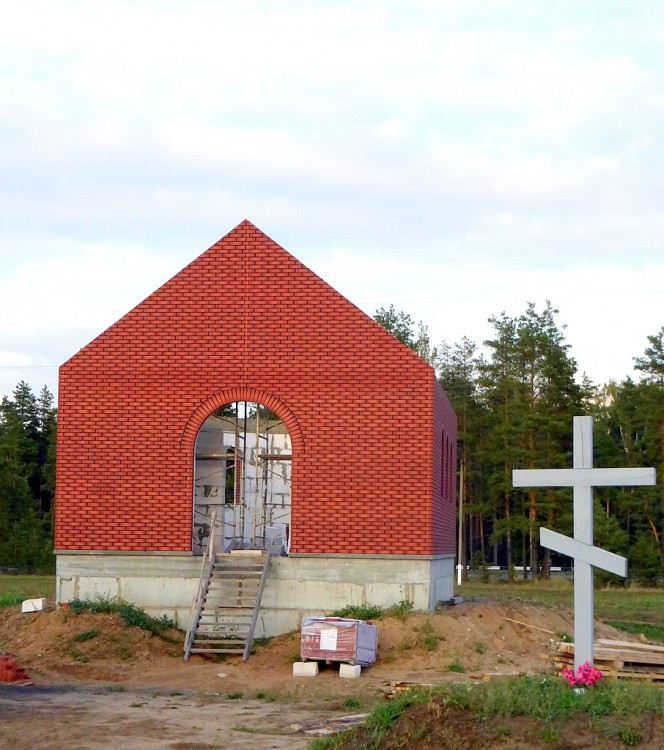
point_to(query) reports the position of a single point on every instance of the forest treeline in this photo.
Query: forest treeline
(514, 397)
(27, 480)
(515, 400)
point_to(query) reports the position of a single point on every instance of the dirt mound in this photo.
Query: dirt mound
(472, 638)
(88, 646)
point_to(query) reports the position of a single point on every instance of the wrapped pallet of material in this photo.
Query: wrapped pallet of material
(338, 639)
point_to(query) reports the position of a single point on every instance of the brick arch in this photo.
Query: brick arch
(203, 411)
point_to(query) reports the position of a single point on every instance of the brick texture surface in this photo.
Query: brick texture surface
(373, 434)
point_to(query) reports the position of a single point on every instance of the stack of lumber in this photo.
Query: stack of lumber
(618, 658)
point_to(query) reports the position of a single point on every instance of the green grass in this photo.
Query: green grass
(12, 599)
(16, 588)
(547, 700)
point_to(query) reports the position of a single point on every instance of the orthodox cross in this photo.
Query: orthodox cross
(586, 556)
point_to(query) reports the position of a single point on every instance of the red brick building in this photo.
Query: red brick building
(370, 459)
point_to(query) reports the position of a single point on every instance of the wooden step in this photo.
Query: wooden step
(229, 641)
(233, 600)
(223, 627)
(238, 651)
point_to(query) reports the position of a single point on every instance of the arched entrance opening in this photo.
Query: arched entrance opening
(243, 462)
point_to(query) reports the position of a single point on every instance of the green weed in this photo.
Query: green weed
(427, 637)
(400, 609)
(549, 734)
(360, 612)
(374, 611)
(630, 736)
(86, 635)
(79, 656)
(267, 695)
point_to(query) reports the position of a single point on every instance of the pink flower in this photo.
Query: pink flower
(585, 675)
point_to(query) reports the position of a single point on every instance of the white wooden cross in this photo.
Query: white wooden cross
(583, 478)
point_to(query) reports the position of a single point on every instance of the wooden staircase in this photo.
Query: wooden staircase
(225, 612)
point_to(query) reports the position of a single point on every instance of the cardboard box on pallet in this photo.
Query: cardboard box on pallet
(338, 639)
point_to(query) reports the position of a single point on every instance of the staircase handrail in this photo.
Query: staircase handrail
(197, 604)
(257, 606)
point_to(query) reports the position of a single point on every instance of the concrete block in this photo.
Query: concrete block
(350, 671)
(32, 605)
(305, 668)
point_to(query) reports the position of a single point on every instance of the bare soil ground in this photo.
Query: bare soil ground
(98, 683)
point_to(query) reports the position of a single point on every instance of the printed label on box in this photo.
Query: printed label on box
(328, 639)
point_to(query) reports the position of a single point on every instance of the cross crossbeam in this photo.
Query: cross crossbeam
(582, 477)
(598, 558)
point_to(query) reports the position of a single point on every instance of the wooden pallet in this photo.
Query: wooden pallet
(618, 658)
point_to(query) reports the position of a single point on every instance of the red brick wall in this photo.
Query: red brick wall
(246, 320)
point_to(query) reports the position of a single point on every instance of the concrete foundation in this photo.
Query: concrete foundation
(164, 584)
(350, 671)
(305, 668)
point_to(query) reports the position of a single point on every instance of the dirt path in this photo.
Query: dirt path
(71, 718)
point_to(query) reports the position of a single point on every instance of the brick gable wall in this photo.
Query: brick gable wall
(246, 320)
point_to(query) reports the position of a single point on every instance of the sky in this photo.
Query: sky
(455, 159)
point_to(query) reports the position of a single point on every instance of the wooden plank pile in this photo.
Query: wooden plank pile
(618, 658)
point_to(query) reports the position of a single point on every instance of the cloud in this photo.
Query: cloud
(406, 149)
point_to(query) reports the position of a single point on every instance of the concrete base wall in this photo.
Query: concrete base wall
(295, 586)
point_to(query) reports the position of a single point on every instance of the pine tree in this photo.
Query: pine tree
(528, 386)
